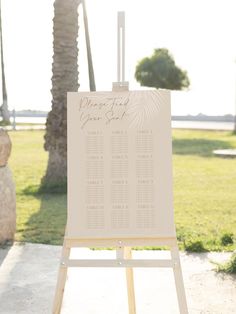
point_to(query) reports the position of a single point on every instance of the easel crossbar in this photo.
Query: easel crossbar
(119, 263)
(125, 242)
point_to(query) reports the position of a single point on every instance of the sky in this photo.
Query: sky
(199, 34)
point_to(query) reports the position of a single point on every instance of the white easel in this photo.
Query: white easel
(123, 246)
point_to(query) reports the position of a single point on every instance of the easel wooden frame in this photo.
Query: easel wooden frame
(123, 260)
(123, 246)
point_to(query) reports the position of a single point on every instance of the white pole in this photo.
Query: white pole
(121, 53)
(92, 84)
(118, 56)
(118, 45)
(14, 119)
(121, 47)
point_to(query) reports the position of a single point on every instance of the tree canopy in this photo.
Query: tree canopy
(160, 71)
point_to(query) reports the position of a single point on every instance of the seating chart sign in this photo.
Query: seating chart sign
(119, 165)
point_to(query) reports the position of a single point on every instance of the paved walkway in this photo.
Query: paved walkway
(227, 153)
(28, 276)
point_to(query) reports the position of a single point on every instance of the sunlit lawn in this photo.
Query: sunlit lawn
(40, 218)
(204, 191)
(204, 187)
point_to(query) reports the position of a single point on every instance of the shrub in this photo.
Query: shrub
(194, 246)
(227, 238)
(228, 267)
(4, 123)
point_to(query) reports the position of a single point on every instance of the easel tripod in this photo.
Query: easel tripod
(123, 260)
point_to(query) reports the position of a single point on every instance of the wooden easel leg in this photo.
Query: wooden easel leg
(179, 283)
(61, 279)
(130, 282)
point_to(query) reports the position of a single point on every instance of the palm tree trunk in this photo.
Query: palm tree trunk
(4, 108)
(64, 79)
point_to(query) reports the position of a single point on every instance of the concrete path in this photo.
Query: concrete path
(28, 277)
(227, 153)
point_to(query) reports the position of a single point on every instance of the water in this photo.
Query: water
(202, 125)
(34, 120)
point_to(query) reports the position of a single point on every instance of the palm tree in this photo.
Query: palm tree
(64, 79)
(4, 108)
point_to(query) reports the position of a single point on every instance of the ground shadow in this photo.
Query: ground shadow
(3, 253)
(200, 147)
(226, 276)
(48, 224)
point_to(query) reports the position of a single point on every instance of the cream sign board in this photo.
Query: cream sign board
(119, 165)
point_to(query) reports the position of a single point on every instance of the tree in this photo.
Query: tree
(4, 108)
(160, 71)
(64, 79)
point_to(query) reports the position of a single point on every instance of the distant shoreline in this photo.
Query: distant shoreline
(202, 117)
(199, 117)
(39, 122)
(29, 113)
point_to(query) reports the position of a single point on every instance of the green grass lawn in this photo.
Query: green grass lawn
(204, 191)
(40, 218)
